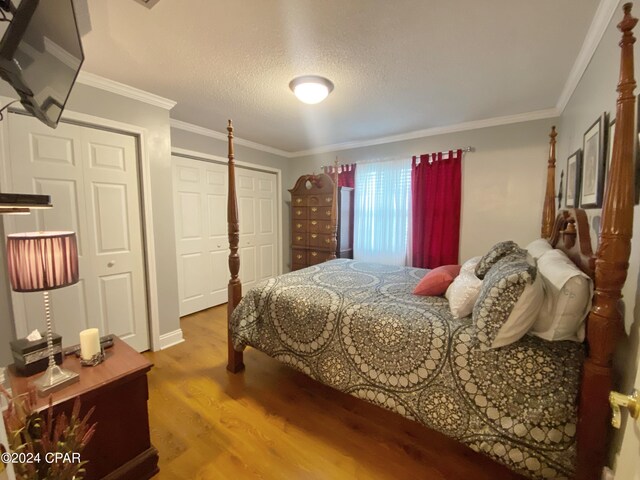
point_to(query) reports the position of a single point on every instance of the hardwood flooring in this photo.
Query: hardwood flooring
(272, 422)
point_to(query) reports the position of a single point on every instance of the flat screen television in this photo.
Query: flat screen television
(41, 55)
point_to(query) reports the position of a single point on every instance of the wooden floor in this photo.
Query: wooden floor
(271, 422)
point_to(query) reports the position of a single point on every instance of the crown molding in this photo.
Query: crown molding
(430, 132)
(601, 19)
(118, 88)
(190, 127)
(460, 127)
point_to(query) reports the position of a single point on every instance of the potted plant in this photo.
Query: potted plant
(46, 447)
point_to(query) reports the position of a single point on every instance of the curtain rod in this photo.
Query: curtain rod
(386, 159)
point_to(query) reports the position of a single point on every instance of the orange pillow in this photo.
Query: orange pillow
(437, 280)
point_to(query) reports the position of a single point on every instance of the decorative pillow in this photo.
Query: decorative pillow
(495, 315)
(437, 280)
(470, 265)
(496, 252)
(568, 295)
(463, 293)
(538, 247)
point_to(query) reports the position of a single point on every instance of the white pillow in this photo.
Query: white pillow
(568, 294)
(539, 247)
(470, 265)
(523, 316)
(463, 292)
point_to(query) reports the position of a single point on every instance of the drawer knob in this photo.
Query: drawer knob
(298, 238)
(314, 254)
(328, 199)
(314, 235)
(314, 209)
(298, 200)
(327, 240)
(298, 212)
(314, 223)
(328, 212)
(298, 225)
(298, 256)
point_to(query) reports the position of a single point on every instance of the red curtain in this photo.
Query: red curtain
(436, 185)
(346, 175)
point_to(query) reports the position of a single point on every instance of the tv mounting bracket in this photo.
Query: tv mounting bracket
(7, 6)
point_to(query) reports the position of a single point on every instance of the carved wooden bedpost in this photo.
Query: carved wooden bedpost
(334, 211)
(549, 209)
(605, 322)
(234, 363)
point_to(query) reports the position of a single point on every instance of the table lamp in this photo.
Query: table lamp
(40, 262)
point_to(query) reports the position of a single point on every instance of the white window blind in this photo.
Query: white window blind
(381, 212)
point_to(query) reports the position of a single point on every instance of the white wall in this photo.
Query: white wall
(595, 94)
(503, 181)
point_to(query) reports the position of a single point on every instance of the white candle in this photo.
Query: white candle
(89, 343)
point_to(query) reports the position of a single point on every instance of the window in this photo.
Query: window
(381, 212)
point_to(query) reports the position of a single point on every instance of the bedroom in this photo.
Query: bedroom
(503, 179)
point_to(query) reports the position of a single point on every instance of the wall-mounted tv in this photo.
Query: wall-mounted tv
(41, 55)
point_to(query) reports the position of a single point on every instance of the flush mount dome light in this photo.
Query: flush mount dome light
(311, 88)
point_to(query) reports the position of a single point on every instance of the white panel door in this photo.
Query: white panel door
(200, 206)
(93, 180)
(258, 220)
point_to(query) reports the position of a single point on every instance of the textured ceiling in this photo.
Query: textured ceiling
(398, 66)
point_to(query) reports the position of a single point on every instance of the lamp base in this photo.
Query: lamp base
(54, 379)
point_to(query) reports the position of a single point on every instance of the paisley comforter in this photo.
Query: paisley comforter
(358, 328)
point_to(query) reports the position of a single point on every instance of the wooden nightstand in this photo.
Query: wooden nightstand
(121, 448)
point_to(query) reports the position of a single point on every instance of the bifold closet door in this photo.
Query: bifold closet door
(92, 176)
(258, 219)
(202, 244)
(202, 247)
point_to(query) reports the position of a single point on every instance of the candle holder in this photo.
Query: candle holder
(97, 359)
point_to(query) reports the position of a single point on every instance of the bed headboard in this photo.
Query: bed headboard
(570, 232)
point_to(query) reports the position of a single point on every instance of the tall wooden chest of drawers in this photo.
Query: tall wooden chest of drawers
(313, 221)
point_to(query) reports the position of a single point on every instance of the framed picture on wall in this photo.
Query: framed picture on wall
(612, 127)
(593, 164)
(574, 175)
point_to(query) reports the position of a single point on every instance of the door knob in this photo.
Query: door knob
(617, 400)
(111, 263)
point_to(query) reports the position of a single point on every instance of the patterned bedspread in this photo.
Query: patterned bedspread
(358, 328)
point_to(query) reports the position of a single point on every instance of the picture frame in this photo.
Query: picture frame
(637, 148)
(593, 164)
(612, 128)
(574, 177)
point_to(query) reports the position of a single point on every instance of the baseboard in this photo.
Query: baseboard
(170, 339)
(142, 467)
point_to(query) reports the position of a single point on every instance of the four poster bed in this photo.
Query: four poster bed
(537, 406)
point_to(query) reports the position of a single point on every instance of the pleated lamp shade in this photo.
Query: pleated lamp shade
(40, 261)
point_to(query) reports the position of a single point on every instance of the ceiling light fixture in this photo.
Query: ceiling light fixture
(311, 89)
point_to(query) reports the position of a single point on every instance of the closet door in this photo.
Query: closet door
(93, 180)
(258, 220)
(200, 207)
